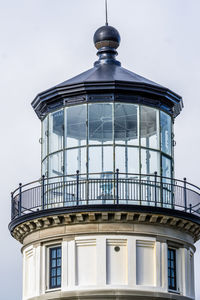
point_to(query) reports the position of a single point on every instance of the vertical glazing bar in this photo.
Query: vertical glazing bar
(20, 200)
(185, 193)
(155, 187)
(190, 208)
(77, 187)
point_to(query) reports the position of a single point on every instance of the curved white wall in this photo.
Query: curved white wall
(90, 262)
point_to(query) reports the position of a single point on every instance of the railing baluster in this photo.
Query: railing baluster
(185, 193)
(117, 186)
(161, 191)
(77, 187)
(20, 200)
(43, 194)
(155, 187)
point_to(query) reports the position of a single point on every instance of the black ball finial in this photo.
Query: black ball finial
(107, 36)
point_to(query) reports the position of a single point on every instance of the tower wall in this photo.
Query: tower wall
(107, 257)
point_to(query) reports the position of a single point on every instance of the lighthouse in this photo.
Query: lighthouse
(108, 219)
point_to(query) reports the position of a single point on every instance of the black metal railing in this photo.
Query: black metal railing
(105, 188)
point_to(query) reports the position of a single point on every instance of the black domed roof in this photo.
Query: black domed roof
(107, 80)
(108, 73)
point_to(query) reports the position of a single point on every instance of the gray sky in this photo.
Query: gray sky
(44, 42)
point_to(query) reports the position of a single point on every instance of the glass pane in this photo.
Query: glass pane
(76, 117)
(100, 159)
(173, 282)
(58, 281)
(45, 167)
(56, 130)
(53, 272)
(149, 129)
(166, 133)
(120, 159)
(58, 262)
(59, 252)
(58, 271)
(150, 162)
(166, 167)
(100, 123)
(53, 263)
(56, 164)
(133, 160)
(127, 159)
(126, 124)
(44, 137)
(53, 282)
(75, 159)
(167, 192)
(53, 253)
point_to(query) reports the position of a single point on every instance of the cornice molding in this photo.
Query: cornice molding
(24, 229)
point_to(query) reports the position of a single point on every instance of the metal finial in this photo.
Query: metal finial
(106, 9)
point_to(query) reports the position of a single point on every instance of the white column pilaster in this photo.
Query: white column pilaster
(164, 264)
(158, 265)
(71, 264)
(37, 269)
(185, 271)
(131, 262)
(101, 261)
(43, 271)
(65, 265)
(23, 278)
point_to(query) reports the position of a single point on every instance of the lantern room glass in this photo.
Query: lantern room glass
(149, 127)
(166, 133)
(126, 124)
(75, 126)
(56, 131)
(100, 124)
(102, 137)
(44, 138)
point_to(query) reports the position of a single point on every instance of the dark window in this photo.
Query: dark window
(172, 269)
(55, 267)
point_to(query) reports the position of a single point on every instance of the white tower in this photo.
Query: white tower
(107, 220)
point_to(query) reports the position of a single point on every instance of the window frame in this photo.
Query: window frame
(170, 287)
(48, 277)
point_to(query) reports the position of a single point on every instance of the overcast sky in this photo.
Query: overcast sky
(44, 42)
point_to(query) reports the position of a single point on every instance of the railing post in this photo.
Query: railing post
(20, 200)
(77, 187)
(43, 192)
(161, 190)
(155, 187)
(190, 208)
(185, 193)
(117, 186)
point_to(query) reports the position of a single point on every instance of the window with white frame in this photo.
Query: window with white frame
(55, 257)
(172, 267)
